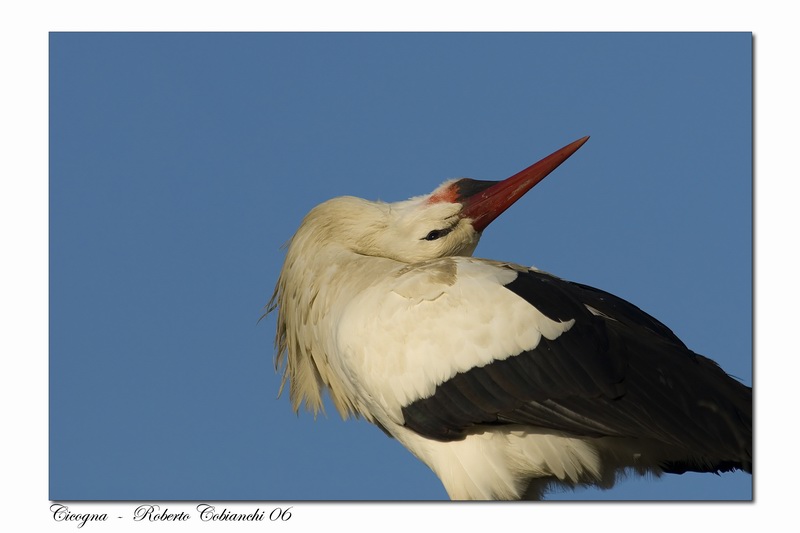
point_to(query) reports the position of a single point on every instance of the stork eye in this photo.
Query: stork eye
(436, 234)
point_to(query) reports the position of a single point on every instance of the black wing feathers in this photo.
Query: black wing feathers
(617, 372)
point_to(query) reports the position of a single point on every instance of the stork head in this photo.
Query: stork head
(447, 222)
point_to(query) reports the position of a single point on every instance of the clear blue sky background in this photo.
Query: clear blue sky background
(180, 163)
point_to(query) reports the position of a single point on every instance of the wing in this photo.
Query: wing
(614, 372)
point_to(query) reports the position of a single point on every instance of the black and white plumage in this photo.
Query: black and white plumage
(504, 380)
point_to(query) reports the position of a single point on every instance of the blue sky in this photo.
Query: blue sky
(180, 163)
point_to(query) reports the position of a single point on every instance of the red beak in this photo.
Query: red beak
(484, 201)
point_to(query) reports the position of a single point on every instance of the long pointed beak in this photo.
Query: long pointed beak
(484, 201)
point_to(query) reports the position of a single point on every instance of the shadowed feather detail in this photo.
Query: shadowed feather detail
(618, 374)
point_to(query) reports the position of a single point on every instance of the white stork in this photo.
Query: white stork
(504, 380)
